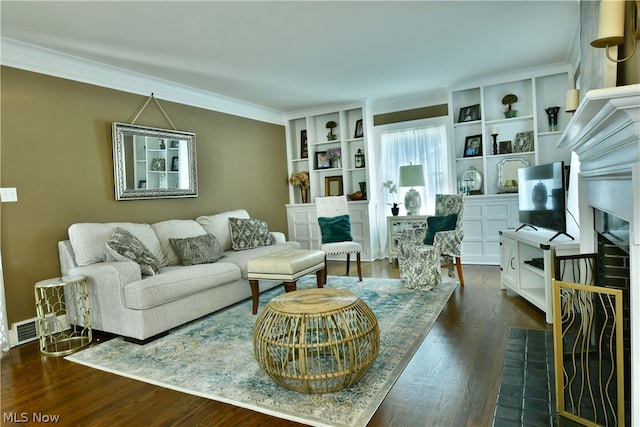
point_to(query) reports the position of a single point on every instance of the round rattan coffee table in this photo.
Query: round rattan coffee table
(316, 340)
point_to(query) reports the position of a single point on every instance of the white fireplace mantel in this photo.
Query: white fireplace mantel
(605, 134)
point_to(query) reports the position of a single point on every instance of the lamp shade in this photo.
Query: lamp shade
(611, 24)
(412, 175)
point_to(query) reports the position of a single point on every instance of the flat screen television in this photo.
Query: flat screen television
(541, 197)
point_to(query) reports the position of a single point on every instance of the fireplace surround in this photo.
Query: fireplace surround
(605, 134)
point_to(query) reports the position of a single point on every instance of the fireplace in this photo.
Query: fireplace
(605, 135)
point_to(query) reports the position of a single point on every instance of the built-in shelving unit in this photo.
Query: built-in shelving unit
(345, 174)
(307, 140)
(491, 207)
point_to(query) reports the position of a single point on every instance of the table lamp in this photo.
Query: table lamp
(412, 176)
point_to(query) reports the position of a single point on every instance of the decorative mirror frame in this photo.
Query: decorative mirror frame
(119, 130)
(508, 170)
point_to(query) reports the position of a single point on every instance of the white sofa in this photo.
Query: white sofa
(124, 302)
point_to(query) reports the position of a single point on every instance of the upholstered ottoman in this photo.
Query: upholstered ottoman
(287, 266)
(316, 340)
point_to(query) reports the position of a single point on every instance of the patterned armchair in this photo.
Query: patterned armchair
(420, 263)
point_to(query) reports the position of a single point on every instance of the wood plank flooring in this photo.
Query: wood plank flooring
(452, 379)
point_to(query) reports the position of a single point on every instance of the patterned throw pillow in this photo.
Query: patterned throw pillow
(197, 250)
(249, 233)
(128, 245)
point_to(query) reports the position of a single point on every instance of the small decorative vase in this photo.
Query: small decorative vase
(395, 209)
(303, 194)
(336, 163)
(552, 113)
(510, 114)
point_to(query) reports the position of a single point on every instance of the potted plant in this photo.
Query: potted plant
(330, 125)
(393, 190)
(508, 100)
(334, 154)
(300, 179)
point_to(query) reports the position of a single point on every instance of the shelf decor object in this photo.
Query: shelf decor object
(412, 176)
(552, 114)
(473, 146)
(359, 159)
(494, 135)
(524, 142)
(508, 173)
(508, 100)
(472, 181)
(331, 125)
(359, 132)
(301, 180)
(469, 113)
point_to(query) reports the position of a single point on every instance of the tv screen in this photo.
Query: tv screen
(541, 197)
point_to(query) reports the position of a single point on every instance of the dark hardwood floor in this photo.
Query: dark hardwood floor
(452, 379)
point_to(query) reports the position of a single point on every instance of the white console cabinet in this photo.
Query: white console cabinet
(525, 264)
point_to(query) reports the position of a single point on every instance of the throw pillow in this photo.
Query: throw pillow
(127, 245)
(202, 249)
(335, 229)
(249, 234)
(439, 223)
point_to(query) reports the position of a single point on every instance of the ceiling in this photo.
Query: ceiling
(293, 55)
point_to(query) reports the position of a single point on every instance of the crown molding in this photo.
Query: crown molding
(50, 62)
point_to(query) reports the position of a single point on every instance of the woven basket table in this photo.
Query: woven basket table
(316, 340)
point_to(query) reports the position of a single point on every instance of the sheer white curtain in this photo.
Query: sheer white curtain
(425, 145)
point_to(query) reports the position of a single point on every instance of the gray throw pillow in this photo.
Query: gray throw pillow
(197, 250)
(128, 245)
(249, 234)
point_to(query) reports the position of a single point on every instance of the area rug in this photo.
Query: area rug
(213, 357)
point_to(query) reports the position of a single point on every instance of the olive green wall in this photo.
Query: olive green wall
(56, 150)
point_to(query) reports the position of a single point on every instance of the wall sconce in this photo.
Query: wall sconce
(611, 26)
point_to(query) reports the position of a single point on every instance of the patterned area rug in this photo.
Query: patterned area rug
(213, 357)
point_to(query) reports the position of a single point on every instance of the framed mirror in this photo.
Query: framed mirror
(508, 173)
(153, 163)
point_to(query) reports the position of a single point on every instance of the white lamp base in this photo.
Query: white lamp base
(412, 202)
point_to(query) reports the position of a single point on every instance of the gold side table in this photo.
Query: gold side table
(64, 315)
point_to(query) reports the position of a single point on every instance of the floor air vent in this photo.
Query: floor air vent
(26, 331)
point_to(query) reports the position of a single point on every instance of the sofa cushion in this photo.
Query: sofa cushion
(249, 234)
(197, 250)
(177, 282)
(175, 229)
(89, 240)
(218, 225)
(126, 244)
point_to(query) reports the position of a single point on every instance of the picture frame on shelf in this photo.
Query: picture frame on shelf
(473, 146)
(304, 146)
(333, 186)
(359, 132)
(504, 147)
(321, 160)
(157, 164)
(174, 163)
(469, 113)
(142, 184)
(523, 142)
